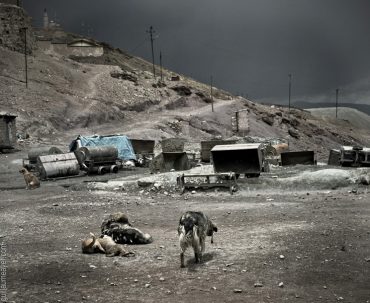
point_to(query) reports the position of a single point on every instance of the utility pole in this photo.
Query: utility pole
(25, 54)
(160, 63)
(290, 88)
(336, 103)
(212, 93)
(151, 31)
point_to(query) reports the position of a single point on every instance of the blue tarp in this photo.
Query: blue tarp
(122, 143)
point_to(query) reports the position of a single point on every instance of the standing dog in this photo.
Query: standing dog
(193, 229)
(32, 181)
(104, 245)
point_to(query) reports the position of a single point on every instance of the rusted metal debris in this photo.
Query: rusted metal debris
(228, 180)
(354, 156)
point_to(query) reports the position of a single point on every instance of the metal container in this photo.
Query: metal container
(42, 151)
(298, 157)
(8, 131)
(55, 166)
(348, 156)
(98, 154)
(238, 158)
(143, 146)
(364, 156)
(206, 147)
(173, 145)
(176, 161)
(334, 157)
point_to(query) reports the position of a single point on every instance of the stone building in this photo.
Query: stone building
(85, 48)
(8, 132)
(13, 21)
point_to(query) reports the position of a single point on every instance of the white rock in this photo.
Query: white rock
(281, 284)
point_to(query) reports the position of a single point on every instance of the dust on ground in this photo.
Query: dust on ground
(315, 242)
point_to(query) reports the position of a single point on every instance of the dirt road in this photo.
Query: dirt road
(315, 243)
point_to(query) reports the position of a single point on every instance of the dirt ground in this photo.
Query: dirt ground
(314, 242)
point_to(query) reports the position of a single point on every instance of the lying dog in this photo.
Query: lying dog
(118, 227)
(32, 181)
(193, 229)
(104, 245)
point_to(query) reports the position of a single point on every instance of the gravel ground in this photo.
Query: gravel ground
(314, 242)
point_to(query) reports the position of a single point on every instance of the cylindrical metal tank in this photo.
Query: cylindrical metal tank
(42, 151)
(99, 153)
(55, 166)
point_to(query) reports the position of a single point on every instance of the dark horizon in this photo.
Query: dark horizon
(248, 46)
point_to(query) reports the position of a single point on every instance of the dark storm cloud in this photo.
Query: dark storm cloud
(249, 46)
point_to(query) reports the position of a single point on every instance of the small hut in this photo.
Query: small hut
(8, 132)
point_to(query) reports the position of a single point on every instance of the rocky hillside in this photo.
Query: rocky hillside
(347, 117)
(117, 93)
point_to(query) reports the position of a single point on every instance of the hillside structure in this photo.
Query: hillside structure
(8, 132)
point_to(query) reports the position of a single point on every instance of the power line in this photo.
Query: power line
(139, 45)
(290, 88)
(336, 103)
(151, 31)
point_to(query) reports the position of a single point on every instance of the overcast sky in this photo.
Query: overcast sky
(249, 46)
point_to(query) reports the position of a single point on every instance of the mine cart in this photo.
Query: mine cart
(144, 151)
(171, 145)
(349, 155)
(306, 157)
(98, 159)
(187, 181)
(334, 157)
(364, 156)
(238, 158)
(176, 161)
(206, 147)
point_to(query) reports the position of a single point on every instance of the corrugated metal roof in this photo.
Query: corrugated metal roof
(236, 147)
(83, 40)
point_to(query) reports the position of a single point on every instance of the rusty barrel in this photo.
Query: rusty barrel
(98, 154)
(42, 151)
(55, 166)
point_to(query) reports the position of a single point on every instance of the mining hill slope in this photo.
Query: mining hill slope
(118, 94)
(346, 117)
